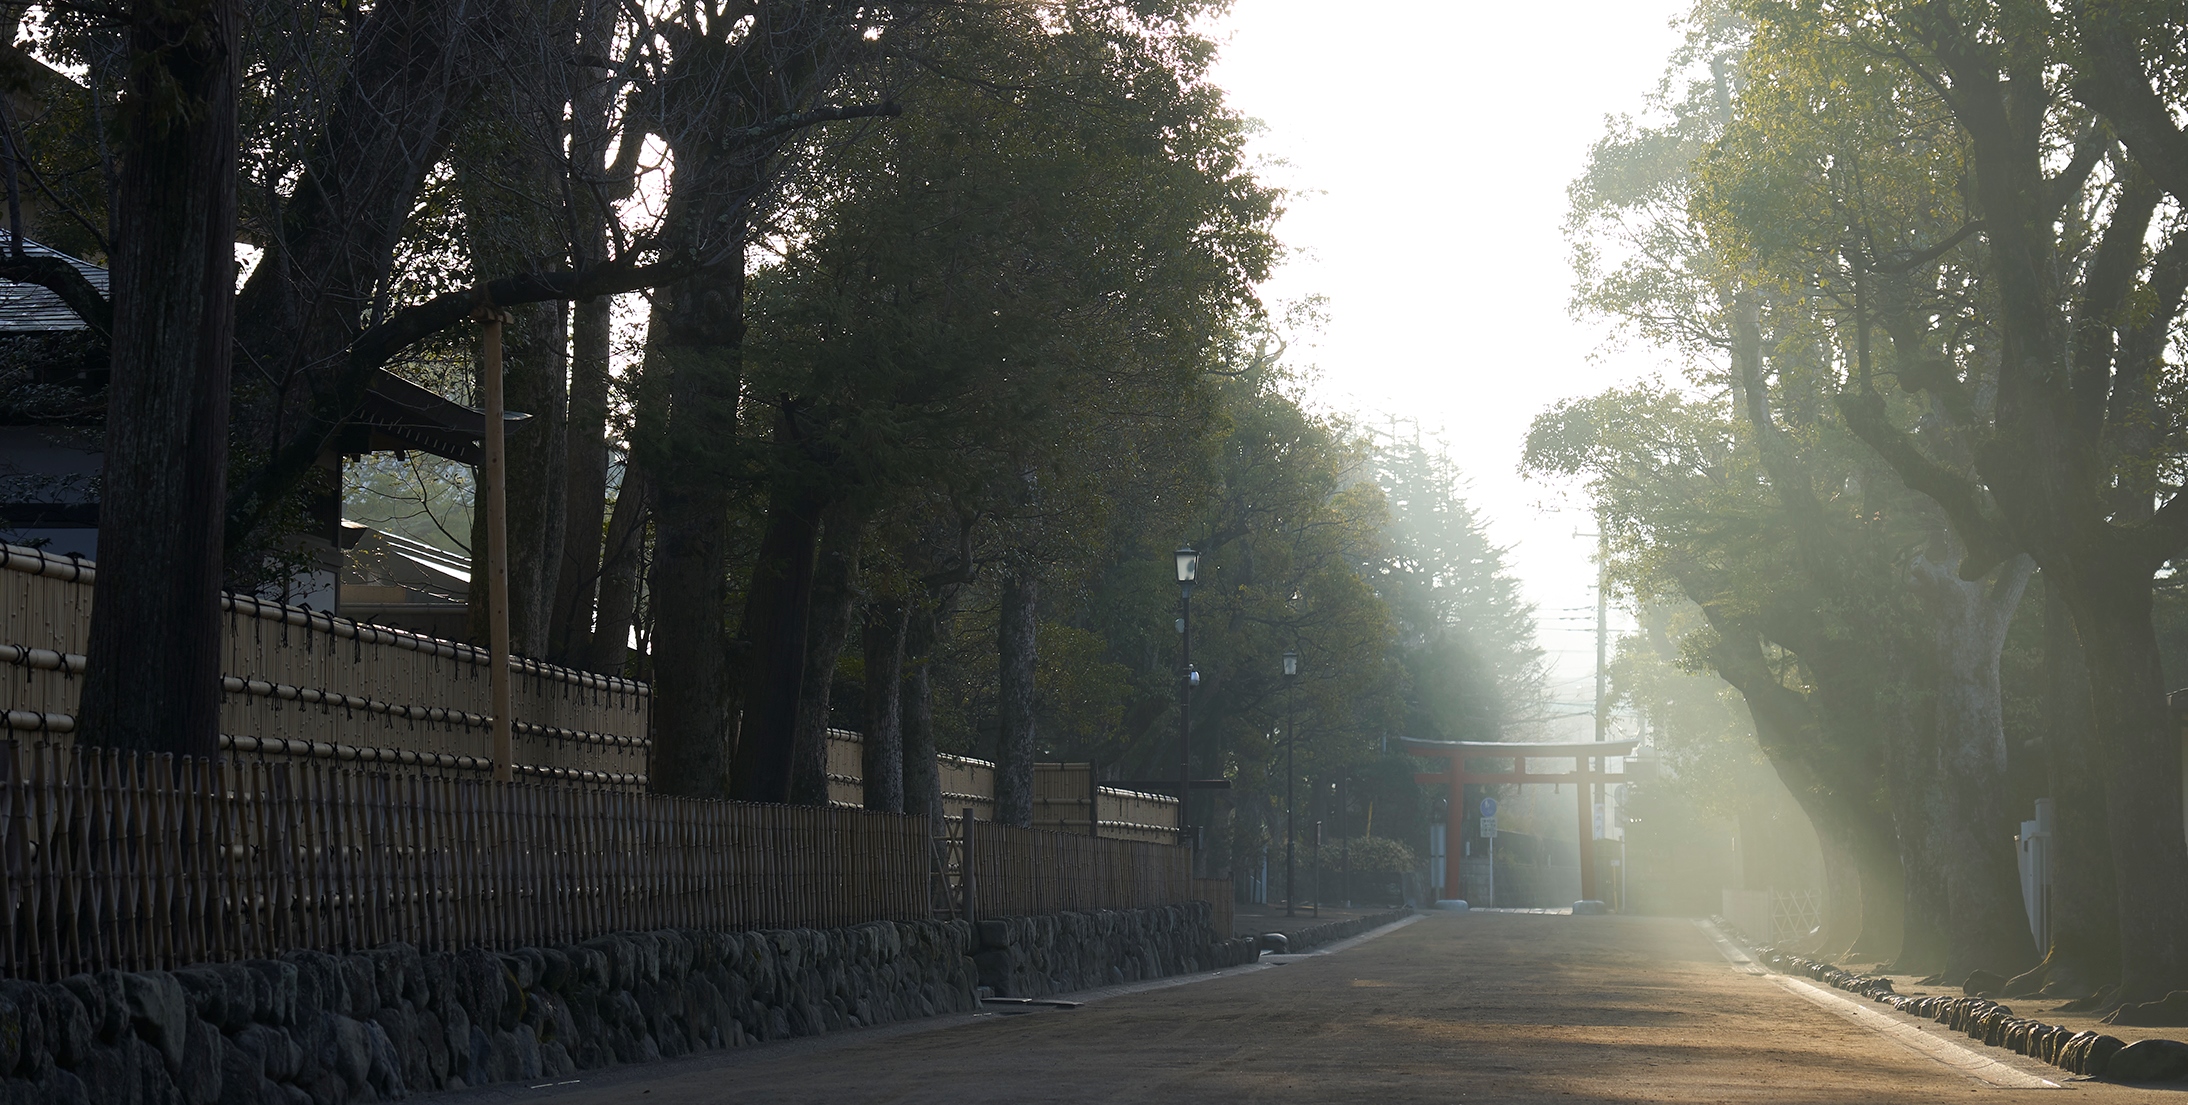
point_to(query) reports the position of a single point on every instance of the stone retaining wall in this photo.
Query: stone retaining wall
(1031, 957)
(318, 1029)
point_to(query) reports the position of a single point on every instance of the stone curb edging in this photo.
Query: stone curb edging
(1315, 936)
(312, 1028)
(2088, 1053)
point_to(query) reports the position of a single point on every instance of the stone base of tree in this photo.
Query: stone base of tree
(391, 1022)
(2089, 1053)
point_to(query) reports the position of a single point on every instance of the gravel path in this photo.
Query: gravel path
(1479, 1007)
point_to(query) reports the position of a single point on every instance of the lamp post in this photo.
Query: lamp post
(1188, 564)
(1291, 741)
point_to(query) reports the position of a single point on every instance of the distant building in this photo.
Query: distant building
(53, 371)
(52, 415)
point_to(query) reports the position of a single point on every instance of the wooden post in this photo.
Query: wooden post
(1093, 801)
(1587, 832)
(494, 488)
(1454, 828)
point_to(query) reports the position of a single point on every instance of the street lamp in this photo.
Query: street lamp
(1188, 563)
(1291, 741)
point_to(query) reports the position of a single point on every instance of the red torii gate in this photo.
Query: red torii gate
(1587, 770)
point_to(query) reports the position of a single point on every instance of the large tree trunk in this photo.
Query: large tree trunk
(538, 464)
(1830, 766)
(153, 678)
(881, 641)
(1986, 928)
(585, 486)
(1883, 894)
(1017, 646)
(834, 602)
(509, 159)
(1911, 762)
(1866, 921)
(585, 476)
(621, 553)
(1841, 922)
(1865, 889)
(2085, 931)
(778, 604)
(693, 365)
(2045, 469)
(922, 776)
(691, 680)
(2140, 764)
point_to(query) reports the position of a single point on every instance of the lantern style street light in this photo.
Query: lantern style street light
(1291, 741)
(1188, 564)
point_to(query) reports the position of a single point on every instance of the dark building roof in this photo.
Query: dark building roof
(395, 415)
(398, 414)
(31, 309)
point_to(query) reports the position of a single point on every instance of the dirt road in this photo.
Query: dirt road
(1481, 1007)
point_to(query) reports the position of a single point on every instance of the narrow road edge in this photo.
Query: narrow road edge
(1961, 1058)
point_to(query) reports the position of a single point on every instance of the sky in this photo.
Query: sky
(1428, 144)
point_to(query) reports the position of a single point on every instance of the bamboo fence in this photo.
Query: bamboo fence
(135, 861)
(352, 806)
(300, 682)
(138, 861)
(1022, 872)
(1062, 794)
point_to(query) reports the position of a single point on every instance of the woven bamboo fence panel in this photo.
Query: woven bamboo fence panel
(1021, 872)
(1221, 909)
(965, 782)
(136, 861)
(1062, 792)
(300, 682)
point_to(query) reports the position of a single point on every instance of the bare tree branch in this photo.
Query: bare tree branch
(1961, 497)
(65, 280)
(2114, 83)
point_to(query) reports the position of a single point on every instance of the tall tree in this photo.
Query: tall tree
(152, 680)
(2043, 366)
(1819, 658)
(596, 179)
(977, 304)
(733, 93)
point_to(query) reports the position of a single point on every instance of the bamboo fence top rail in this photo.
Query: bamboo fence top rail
(68, 569)
(30, 561)
(366, 633)
(297, 681)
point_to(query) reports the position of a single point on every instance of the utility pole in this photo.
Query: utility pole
(1591, 790)
(1188, 566)
(1291, 742)
(1344, 846)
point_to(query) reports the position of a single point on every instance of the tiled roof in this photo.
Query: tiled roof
(28, 308)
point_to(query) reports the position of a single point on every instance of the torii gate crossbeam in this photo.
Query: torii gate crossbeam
(1587, 770)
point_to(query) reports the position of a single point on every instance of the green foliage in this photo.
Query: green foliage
(1709, 761)
(1466, 635)
(1373, 855)
(424, 498)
